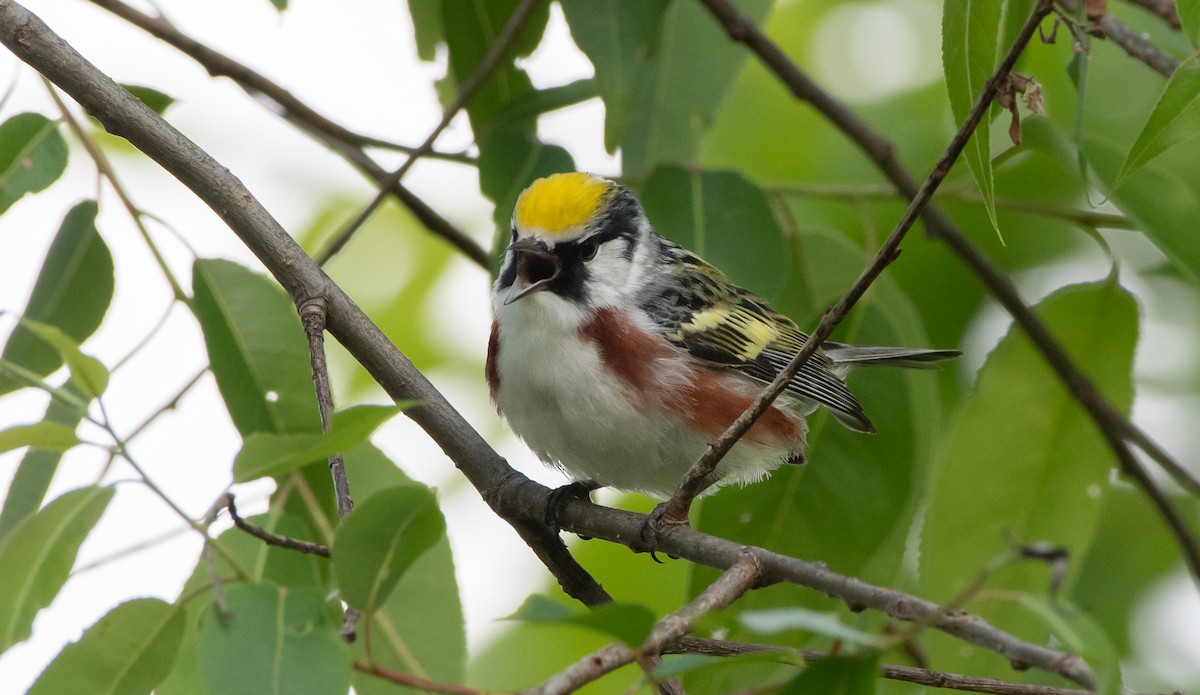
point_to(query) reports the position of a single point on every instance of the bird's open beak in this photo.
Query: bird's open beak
(537, 267)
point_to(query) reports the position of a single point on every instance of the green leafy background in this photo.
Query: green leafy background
(1094, 217)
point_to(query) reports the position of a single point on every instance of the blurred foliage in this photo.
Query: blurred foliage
(1097, 210)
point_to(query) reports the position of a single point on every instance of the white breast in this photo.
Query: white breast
(574, 413)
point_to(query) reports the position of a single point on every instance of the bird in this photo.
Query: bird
(617, 355)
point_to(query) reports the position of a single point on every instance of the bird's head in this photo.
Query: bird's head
(573, 234)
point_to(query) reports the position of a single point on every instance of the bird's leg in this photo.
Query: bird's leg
(666, 515)
(578, 490)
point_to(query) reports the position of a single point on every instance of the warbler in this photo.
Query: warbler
(618, 355)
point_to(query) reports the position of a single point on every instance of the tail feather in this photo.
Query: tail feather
(868, 356)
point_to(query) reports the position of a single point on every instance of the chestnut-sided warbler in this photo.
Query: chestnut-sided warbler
(618, 355)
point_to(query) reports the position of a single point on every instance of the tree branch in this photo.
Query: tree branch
(514, 497)
(1136, 45)
(908, 674)
(624, 527)
(697, 477)
(1163, 8)
(124, 115)
(269, 538)
(739, 578)
(1114, 427)
(255, 83)
(348, 144)
(482, 73)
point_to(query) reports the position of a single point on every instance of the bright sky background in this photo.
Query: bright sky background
(358, 66)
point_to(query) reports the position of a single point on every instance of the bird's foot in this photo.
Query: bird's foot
(555, 501)
(663, 517)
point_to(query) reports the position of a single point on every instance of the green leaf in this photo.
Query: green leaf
(257, 349)
(261, 563)
(816, 511)
(88, 374)
(508, 163)
(470, 30)
(504, 664)
(158, 101)
(1024, 461)
(33, 155)
(381, 539)
(128, 651)
(1141, 565)
(672, 109)
(542, 101)
(723, 218)
(836, 675)
(37, 556)
(427, 27)
(1079, 634)
(1189, 20)
(969, 29)
(419, 628)
(72, 292)
(628, 622)
(280, 5)
(620, 39)
(777, 620)
(266, 454)
(279, 639)
(37, 467)
(47, 436)
(1176, 118)
(1165, 207)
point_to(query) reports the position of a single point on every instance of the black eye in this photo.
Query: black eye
(514, 233)
(588, 249)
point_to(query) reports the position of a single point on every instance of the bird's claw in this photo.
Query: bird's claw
(557, 499)
(659, 519)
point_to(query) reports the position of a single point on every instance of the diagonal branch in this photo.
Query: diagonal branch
(739, 578)
(123, 115)
(1163, 8)
(908, 674)
(341, 140)
(697, 477)
(1115, 427)
(515, 498)
(483, 72)
(255, 83)
(1134, 43)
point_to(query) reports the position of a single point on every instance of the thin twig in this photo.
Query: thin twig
(1114, 426)
(125, 116)
(302, 116)
(513, 496)
(1163, 8)
(482, 73)
(856, 193)
(1135, 44)
(697, 477)
(312, 315)
(269, 538)
(419, 208)
(741, 576)
(909, 674)
(416, 682)
(171, 404)
(256, 84)
(108, 172)
(623, 527)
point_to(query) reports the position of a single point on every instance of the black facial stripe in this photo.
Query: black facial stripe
(570, 283)
(508, 274)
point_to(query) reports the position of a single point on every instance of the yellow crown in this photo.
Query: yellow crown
(560, 203)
